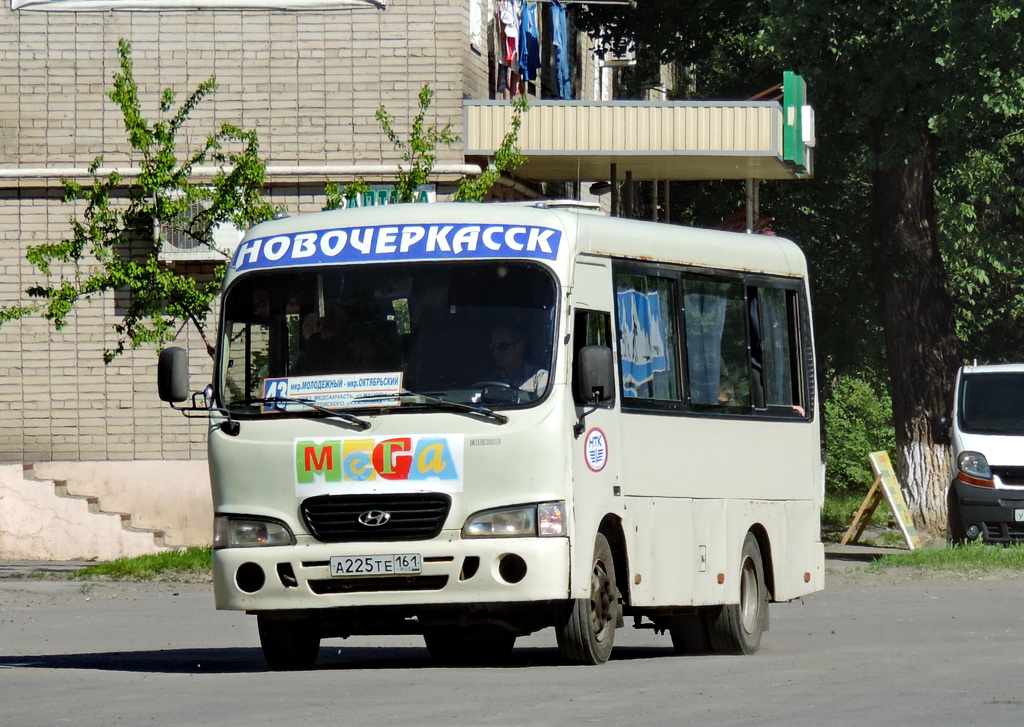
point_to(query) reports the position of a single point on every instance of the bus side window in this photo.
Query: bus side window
(590, 328)
(718, 361)
(647, 341)
(780, 349)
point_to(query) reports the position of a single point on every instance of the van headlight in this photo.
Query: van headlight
(972, 468)
(546, 519)
(234, 531)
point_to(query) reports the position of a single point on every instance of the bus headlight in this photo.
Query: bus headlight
(233, 531)
(543, 519)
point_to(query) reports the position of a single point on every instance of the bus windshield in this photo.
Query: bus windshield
(476, 333)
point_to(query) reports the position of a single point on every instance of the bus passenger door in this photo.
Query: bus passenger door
(596, 449)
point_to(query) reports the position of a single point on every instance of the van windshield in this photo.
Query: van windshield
(992, 403)
(363, 336)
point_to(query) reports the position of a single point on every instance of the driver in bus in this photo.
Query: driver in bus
(508, 348)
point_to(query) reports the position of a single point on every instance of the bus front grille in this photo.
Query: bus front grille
(357, 518)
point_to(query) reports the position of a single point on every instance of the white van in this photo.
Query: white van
(986, 433)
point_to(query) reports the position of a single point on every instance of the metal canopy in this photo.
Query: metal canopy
(570, 140)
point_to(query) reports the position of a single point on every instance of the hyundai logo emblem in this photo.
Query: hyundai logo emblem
(374, 518)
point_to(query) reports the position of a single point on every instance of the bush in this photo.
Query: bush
(858, 420)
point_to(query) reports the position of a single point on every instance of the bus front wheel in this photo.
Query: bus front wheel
(737, 628)
(587, 632)
(289, 645)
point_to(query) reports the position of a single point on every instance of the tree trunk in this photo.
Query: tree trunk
(917, 313)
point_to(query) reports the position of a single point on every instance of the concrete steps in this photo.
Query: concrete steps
(41, 520)
(60, 487)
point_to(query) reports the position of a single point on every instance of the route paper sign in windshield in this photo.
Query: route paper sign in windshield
(339, 391)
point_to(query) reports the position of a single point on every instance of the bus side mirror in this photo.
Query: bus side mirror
(940, 430)
(172, 375)
(595, 375)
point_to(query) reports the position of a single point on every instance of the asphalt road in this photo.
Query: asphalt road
(867, 651)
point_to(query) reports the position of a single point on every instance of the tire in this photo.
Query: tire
(955, 533)
(469, 644)
(586, 632)
(737, 628)
(289, 645)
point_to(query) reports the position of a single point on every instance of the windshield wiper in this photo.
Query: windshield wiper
(334, 413)
(453, 405)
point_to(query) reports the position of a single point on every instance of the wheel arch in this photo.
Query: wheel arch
(764, 544)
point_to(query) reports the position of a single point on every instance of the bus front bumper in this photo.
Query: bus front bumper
(454, 571)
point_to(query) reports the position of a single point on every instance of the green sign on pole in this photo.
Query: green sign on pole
(797, 122)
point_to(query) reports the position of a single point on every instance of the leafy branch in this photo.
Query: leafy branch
(115, 242)
(418, 156)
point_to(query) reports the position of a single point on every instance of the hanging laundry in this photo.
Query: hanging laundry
(529, 43)
(560, 40)
(508, 14)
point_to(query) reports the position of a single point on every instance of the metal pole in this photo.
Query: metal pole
(749, 204)
(628, 201)
(615, 190)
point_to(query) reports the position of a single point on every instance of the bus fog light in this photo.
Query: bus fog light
(511, 568)
(250, 577)
(973, 531)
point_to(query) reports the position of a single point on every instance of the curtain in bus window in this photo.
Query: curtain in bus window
(645, 348)
(775, 346)
(718, 361)
(704, 319)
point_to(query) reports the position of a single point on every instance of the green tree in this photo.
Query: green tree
(859, 420)
(418, 155)
(115, 243)
(905, 92)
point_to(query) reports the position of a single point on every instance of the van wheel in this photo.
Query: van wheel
(955, 533)
(469, 644)
(289, 645)
(737, 628)
(586, 633)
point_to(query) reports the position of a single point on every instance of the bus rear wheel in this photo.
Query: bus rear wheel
(289, 645)
(587, 632)
(737, 628)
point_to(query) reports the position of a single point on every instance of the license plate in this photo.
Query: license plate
(346, 566)
(1018, 516)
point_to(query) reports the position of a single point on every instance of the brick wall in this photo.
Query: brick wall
(308, 82)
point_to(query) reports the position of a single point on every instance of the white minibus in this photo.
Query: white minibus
(477, 421)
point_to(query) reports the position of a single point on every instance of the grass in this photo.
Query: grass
(971, 559)
(188, 564)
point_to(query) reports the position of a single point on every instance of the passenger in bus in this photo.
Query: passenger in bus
(325, 350)
(508, 348)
